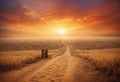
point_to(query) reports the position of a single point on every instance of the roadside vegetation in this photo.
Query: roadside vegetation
(16, 53)
(106, 60)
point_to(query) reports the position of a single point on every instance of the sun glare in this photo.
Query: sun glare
(61, 31)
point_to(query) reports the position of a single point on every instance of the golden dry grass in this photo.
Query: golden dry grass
(29, 44)
(107, 60)
(16, 52)
(15, 59)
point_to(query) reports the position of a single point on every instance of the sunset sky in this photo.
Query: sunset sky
(49, 18)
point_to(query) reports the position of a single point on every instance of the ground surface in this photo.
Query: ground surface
(63, 68)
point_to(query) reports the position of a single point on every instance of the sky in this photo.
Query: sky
(43, 18)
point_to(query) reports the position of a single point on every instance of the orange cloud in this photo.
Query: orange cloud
(39, 17)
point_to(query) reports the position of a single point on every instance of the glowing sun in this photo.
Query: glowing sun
(61, 31)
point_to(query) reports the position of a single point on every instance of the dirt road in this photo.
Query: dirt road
(63, 68)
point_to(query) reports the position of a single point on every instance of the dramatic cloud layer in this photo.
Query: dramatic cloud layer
(28, 18)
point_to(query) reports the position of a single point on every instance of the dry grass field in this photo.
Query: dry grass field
(14, 44)
(103, 53)
(16, 59)
(106, 60)
(70, 60)
(16, 53)
(95, 43)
